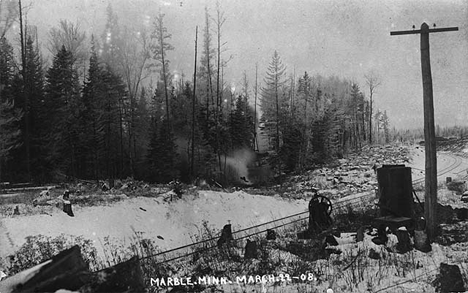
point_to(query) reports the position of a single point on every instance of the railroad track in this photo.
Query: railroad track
(211, 243)
(456, 162)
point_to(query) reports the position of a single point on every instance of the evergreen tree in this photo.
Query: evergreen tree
(141, 133)
(7, 65)
(69, 35)
(273, 94)
(161, 153)
(102, 134)
(9, 132)
(10, 116)
(181, 109)
(63, 106)
(291, 147)
(111, 140)
(241, 124)
(304, 91)
(27, 89)
(34, 89)
(89, 153)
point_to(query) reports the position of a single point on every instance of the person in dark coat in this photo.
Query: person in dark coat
(67, 208)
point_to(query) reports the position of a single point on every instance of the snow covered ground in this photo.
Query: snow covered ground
(448, 165)
(174, 221)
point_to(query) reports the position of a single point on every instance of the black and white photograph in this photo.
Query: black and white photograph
(236, 146)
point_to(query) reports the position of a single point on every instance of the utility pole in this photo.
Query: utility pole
(430, 202)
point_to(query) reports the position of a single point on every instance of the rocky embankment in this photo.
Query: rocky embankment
(354, 174)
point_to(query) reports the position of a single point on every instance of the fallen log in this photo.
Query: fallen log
(68, 271)
(59, 272)
(28, 188)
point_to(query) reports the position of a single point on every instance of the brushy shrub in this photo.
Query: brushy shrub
(40, 248)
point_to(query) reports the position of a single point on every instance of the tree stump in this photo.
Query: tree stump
(251, 250)
(67, 208)
(421, 241)
(226, 235)
(360, 234)
(271, 234)
(404, 243)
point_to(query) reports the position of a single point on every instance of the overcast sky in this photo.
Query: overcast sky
(347, 38)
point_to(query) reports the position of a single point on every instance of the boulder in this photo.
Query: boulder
(449, 279)
(458, 186)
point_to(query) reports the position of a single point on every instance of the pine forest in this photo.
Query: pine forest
(108, 106)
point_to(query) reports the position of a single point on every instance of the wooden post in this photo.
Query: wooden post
(430, 203)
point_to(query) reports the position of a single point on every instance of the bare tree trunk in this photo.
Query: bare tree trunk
(209, 81)
(277, 118)
(25, 93)
(373, 81)
(121, 136)
(192, 161)
(219, 22)
(255, 143)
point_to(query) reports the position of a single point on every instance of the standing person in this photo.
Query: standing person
(67, 208)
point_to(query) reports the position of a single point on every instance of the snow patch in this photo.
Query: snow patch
(175, 221)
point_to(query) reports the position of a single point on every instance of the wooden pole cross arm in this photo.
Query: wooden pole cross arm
(431, 30)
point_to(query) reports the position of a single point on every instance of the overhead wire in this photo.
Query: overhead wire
(338, 204)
